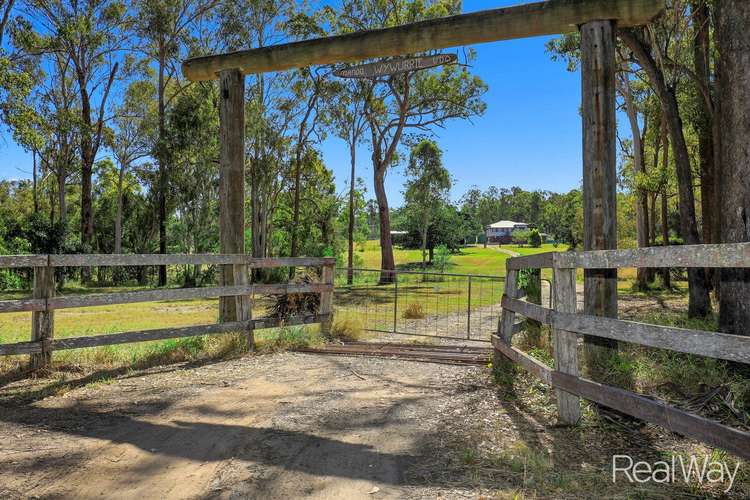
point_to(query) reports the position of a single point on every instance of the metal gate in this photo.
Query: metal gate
(429, 304)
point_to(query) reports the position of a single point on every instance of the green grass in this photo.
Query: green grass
(469, 260)
(103, 320)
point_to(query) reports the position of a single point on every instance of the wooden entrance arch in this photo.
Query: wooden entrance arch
(596, 20)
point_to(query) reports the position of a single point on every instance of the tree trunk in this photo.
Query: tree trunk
(117, 272)
(295, 209)
(425, 226)
(350, 259)
(387, 262)
(641, 204)
(652, 220)
(704, 125)
(732, 26)
(665, 272)
(703, 122)
(34, 186)
(88, 156)
(61, 198)
(162, 167)
(118, 213)
(699, 302)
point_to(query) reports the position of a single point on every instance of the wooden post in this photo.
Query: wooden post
(232, 191)
(599, 177)
(43, 322)
(505, 328)
(326, 300)
(565, 344)
(508, 317)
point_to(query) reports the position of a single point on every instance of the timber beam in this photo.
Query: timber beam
(535, 19)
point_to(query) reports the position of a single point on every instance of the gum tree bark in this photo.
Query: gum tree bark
(732, 27)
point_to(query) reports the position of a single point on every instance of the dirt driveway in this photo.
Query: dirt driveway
(292, 425)
(275, 426)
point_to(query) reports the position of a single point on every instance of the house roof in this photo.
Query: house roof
(507, 224)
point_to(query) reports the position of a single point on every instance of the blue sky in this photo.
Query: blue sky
(530, 135)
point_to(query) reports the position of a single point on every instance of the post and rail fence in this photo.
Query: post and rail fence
(44, 301)
(567, 324)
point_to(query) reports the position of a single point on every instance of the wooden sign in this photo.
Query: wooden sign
(395, 66)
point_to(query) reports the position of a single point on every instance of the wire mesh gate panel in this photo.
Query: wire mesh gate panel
(456, 306)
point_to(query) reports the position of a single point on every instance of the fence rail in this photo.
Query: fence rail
(567, 324)
(44, 302)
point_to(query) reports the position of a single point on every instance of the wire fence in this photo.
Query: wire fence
(456, 306)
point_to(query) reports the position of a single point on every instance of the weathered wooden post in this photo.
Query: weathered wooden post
(43, 322)
(232, 192)
(326, 299)
(508, 317)
(565, 344)
(599, 177)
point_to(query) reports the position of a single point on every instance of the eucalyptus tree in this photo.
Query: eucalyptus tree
(648, 54)
(92, 35)
(349, 123)
(309, 92)
(268, 118)
(414, 101)
(659, 56)
(639, 167)
(427, 186)
(732, 27)
(165, 29)
(193, 146)
(131, 140)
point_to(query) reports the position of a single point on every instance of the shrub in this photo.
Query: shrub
(413, 311)
(10, 280)
(291, 337)
(442, 257)
(520, 236)
(347, 328)
(535, 239)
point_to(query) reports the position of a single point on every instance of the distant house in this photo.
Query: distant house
(500, 233)
(398, 237)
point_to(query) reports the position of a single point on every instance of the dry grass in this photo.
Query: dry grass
(413, 311)
(347, 328)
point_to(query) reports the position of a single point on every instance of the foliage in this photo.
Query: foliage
(521, 236)
(347, 328)
(443, 257)
(535, 239)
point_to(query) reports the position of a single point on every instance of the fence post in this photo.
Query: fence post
(468, 311)
(43, 322)
(565, 344)
(232, 190)
(244, 304)
(326, 300)
(505, 328)
(395, 301)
